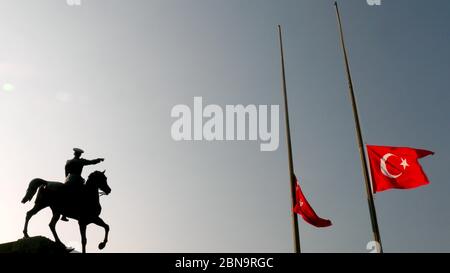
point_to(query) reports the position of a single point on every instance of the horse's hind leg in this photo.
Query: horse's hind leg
(83, 235)
(101, 223)
(30, 214)
(52, 226)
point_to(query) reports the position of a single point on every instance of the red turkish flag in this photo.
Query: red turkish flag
(396, 167)
(303, 208)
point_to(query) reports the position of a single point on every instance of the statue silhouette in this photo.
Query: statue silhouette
(82, 204)
(74, 168)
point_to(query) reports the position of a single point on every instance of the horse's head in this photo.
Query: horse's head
(99, 180)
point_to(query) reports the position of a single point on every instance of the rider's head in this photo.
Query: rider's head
(77, 152)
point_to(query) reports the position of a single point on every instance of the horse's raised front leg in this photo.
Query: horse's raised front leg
(83, 235)
(100, 222)
(30, 214)
(52, 226)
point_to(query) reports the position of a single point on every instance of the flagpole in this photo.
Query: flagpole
(373, 214)
(289, 147)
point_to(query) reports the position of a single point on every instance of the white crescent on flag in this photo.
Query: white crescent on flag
(384, 169)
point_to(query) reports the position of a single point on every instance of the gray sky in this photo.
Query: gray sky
(105, 75)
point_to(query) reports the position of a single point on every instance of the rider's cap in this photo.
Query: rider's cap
(78, 150)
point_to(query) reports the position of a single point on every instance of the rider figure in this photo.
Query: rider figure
(74, 168)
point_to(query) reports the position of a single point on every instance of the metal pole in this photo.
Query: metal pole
(373, 214)
(289, 147)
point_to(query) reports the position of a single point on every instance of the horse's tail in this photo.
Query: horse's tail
(34, 185)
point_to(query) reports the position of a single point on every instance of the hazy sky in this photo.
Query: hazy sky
(105, 75)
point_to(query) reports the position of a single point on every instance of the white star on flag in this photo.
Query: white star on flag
(404, 164)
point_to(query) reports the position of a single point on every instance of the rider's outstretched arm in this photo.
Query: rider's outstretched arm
(93, 162)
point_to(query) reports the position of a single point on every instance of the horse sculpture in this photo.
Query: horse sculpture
(79, 203)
